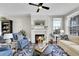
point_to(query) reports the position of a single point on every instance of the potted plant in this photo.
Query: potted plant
(23, 32)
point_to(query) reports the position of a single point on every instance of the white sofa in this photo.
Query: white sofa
(70, 46)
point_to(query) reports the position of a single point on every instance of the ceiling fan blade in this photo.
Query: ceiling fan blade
(40, 4)
(38, 10)
(33, 4)
(45, 7)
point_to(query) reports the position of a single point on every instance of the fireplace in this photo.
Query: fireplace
(36, 33)
(38, 37)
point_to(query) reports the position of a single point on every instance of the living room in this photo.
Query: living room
(51, 31)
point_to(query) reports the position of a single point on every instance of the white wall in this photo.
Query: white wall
(0, 29)
(21, 22)
(67, 22)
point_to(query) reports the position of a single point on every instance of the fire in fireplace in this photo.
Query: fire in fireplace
(39, 38)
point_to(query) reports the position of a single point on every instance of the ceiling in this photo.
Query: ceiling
(25, 8)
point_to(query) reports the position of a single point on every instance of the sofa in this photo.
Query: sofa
(71, 46)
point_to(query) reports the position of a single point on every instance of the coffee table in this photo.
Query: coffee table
(40, 50)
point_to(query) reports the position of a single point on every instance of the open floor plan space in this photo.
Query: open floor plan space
(39, 29)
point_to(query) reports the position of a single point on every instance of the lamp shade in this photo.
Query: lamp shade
(8, 36)
(61, 31)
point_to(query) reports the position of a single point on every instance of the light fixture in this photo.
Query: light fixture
(40, 7)
(61, 31)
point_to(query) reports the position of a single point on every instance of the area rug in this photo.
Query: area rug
(52, 50)
(58, 51)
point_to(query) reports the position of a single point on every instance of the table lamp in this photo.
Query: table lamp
(61, 31)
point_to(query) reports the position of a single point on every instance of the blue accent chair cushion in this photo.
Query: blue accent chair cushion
(49, 49)
(23, 43)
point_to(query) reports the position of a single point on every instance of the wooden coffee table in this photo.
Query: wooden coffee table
(40, 51)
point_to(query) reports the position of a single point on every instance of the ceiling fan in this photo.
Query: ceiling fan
(40, 5)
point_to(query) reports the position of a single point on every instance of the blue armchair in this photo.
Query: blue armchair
(6, 51)
(25, 47)
(23, 43)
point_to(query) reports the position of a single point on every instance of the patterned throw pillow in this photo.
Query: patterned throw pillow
(15, 37)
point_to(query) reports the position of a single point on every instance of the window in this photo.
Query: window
(57, 23)
(74, 25)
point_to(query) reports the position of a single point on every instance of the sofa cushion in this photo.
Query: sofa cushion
(67, 42)
(75, 48)
(70, 47)
(74, 39)
(23, 43)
